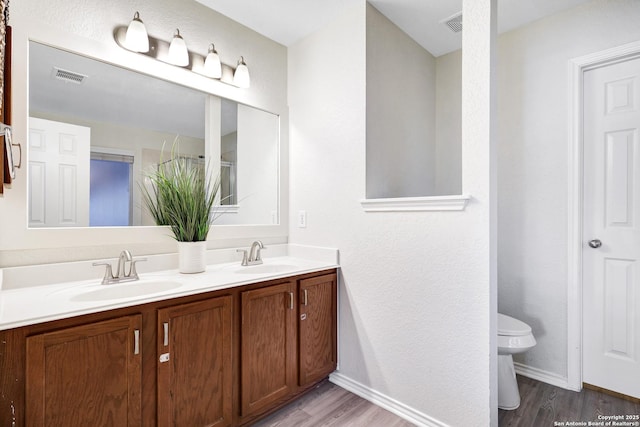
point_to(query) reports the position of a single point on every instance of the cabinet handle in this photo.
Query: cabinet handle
(306, 301)
(165, 326)
(290, 300)
(136, 341)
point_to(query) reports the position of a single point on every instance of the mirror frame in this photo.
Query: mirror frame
(209, 114)
(149, 239)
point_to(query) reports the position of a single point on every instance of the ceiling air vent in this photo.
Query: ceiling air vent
(68, 76)
(454, 22)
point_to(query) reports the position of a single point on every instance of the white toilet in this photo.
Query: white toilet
(514, 336)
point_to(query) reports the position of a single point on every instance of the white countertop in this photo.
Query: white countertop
(21, 306)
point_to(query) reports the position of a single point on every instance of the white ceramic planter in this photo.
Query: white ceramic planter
(192, 257)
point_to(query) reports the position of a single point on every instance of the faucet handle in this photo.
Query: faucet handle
(244, 256)
(108, 273)
(132, 270)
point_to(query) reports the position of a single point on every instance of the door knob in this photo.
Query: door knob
(595, 243)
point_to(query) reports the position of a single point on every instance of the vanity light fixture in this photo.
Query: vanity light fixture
(178, 53)
(137, 38)
(241, 75)
(212, 65)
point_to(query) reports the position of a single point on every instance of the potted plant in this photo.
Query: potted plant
(182, 196)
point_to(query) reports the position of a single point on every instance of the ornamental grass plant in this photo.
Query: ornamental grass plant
(182, 196)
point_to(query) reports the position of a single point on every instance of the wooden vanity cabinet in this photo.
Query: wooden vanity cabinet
(317, 329)
(195, 364)
(288, 340)
(85, 375)
(268, 329)
(227, 358)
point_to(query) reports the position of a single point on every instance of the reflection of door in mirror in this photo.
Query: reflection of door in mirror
(58, 174)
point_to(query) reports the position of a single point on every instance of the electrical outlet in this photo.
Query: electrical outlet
(302, 219)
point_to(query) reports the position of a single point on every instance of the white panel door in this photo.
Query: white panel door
(611, 275)
(59, 156)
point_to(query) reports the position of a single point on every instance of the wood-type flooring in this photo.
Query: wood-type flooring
(330, 405)
(542, 405)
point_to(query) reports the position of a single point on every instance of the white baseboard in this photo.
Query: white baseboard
(421, 419)
(542, 375)
(386, 402)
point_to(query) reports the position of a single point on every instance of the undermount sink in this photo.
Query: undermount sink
(126, 290)
(266, 268)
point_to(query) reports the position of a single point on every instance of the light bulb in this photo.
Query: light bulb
(212, 65)
(136, 38)
(178, 53)
(241, 75)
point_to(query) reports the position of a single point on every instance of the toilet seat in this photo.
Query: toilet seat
(514, 336)
(511, 327)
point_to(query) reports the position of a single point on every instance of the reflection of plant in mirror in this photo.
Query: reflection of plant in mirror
(182, 196)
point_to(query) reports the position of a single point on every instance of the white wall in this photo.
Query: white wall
(257, 156)
(401, 104)
(448, 123)
(533, 96)
(417, 289)
(87, 27)
(413, 115)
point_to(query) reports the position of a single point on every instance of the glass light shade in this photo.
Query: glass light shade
(212, 65)
(178, 53)
(136, 38)
(241, 75)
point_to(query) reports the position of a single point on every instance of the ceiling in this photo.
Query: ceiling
(120, 96)
(287, 21)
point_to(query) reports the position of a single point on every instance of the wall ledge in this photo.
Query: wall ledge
(416, 204)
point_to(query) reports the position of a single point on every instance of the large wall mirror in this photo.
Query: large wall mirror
(94, 129)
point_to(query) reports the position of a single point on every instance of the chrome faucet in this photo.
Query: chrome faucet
(254, 257)
(122, 275)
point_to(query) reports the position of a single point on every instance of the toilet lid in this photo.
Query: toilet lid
(512, 327)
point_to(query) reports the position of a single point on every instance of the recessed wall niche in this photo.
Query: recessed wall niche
(413, 112)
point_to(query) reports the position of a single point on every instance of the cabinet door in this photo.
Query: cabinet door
(268, 366)
(85, 376)
(195, 367)
(317, 354)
